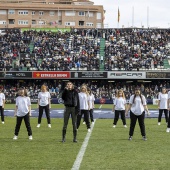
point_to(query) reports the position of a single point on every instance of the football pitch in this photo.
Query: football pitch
(104, 148)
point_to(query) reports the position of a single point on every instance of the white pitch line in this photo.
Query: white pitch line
(80, 155)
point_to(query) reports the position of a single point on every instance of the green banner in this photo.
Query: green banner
(48, 29)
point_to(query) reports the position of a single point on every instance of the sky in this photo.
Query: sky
(136, 13)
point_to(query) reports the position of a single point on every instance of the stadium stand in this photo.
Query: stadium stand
(104, 89)
(85, 49)
(137, 49)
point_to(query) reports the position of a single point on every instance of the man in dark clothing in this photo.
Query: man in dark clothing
(72, 106)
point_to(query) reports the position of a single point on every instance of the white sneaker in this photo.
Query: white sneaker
(38, 125)
(125, 126)
(168, 130)
(159, 123)
(30, 138)
(49, 125)
(92, 123)
(3, 122)
(15, 137)
(89, 130)
(84, 123)
(114, 126)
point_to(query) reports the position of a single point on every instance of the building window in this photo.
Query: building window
(2, 12)
(33, 21)
(69, 13)
(89, 24)
(99, 15)
(11, 11)
(60, 22)
(81, 23)
(81, 13)
(3, 22)
(41, 12)
(69, 23)
(23, 12)
(22, 22)
(59, 13)
(11, 21)
(52, 13)
(99, 25)
(89, 14)
(41, 22)
(33, 12)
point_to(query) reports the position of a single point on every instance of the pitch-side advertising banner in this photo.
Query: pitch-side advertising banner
(126, 75)
(51, 75)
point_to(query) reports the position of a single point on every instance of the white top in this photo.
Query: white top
(137, 107)
(163, 99)
(169, 95)
(91, 100)
(44, 98)
(2, 97)
(83, 99)
(119, 103)
(23, 104)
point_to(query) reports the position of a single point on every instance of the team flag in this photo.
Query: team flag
(118, 17)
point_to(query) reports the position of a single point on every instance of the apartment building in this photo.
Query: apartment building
(50, 14)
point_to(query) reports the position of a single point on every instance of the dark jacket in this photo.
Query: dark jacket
(71, 98)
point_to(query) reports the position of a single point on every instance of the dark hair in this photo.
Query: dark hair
(71, 83)
(140, 98)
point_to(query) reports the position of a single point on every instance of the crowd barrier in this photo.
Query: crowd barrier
(85, 74)
(97, 101)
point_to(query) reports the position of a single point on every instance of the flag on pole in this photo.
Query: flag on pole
(118, 16)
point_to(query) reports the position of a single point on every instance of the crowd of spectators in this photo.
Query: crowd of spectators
(79, 49)
(100, 89)
(129, 49)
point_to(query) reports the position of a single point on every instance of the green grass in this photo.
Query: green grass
(61, 106)
(45, 151)
(108, 147)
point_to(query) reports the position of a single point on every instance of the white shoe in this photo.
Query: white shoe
(49, 125)
(159, 123)
(89, 130)
(125, 126)
(38, 125)
(114, 126)
(92, 123)
(3, 122)
(30, 138)
(84, 123)
(15, 137)
(168, 130)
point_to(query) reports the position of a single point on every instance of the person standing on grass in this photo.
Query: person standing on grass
(44, 103)
(84, 107)
(168, 125)
(91, 105)
(137, 107)
(2, 105)
(91, 100)
(163, 105)
(119, 107)
(72, 107)
(22, 111)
